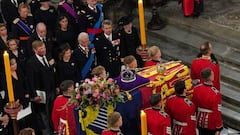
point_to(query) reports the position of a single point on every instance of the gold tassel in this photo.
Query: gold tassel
(129, 96)
(67, 129)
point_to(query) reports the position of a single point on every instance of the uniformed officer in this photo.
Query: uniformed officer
(158, 122)
(23, 26)
(91, 18)
(208, 102)
(9, 10)
(206, 60)
(84, 57)
(182, 111)
(108, 49)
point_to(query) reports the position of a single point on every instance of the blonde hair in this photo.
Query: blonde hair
(36, 44)
(26, 131)
(113, 118)
(152, 51)
(10, 40)
(22, 5)
(97, 71)
(128, 59)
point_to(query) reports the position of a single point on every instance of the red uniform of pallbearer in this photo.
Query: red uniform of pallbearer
(158, 122)
(208, 102)
(199, 64)
(63, 113)
(182, 111)
(59, 114)
(111, 132)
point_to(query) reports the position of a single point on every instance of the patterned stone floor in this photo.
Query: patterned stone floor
(223, 12)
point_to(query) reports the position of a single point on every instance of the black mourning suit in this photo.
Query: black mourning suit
(41, 78)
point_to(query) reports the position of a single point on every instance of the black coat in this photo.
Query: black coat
(21, 58)
(18, 31)
(3, 47)
(20, 88)
(48, 17)
(10, 11)
(65, 71)
(71, 20)
(40, 77)
(80, 58)
(88, 18)
(129, 43)
(66, 37)
(48, 45)
(108, 55)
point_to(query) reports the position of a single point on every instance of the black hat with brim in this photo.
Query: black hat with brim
(124, 20)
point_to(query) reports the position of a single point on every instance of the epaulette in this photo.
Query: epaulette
(215, 90)
(189, 102)
(83, 11)
(163, 114)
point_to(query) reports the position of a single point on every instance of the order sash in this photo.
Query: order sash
(88, 64)
(97, 24)
(23, 26)
(70, 10)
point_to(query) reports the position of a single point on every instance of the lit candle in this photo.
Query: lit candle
(143, 123)
(142, 23)
(8, 77)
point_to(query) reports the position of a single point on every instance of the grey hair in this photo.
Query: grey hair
(81, 35)
(106, 22)
(40, 24)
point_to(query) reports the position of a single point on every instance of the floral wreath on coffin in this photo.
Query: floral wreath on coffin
(97, 92)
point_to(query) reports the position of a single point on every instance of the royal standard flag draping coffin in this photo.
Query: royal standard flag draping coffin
(129, 82)
(162, 79)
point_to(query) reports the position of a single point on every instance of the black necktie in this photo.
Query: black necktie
(44, 62)
(44, 40)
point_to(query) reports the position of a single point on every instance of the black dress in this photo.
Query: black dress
(48, 17)
(66, 37)
(3, 47)
(129, 43)
(20, 58)
(20, 89)
(65, 71)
